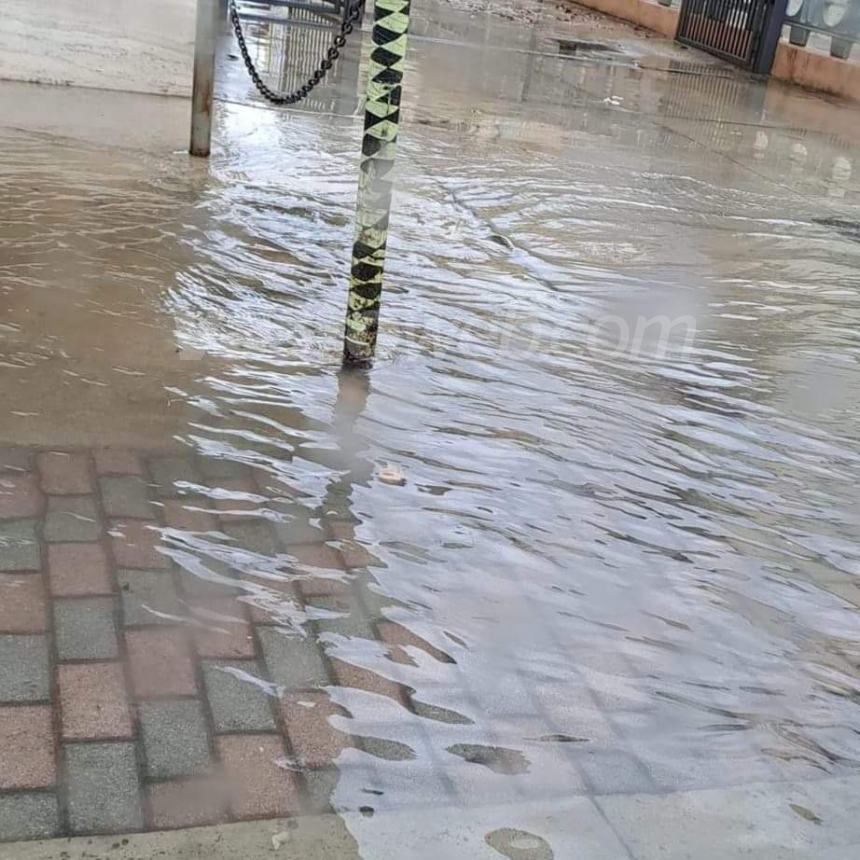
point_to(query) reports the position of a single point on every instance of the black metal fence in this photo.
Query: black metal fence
(744, 32)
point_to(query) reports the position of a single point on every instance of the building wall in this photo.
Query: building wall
(135, 45)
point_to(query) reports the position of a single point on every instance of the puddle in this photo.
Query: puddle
(519, 845)
(589, 526)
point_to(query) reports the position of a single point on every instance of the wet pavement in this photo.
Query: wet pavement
(615, 602)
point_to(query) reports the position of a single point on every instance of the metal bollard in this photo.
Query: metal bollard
(208, 18)
(378, 149)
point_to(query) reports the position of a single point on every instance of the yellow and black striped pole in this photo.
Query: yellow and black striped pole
(378, 148)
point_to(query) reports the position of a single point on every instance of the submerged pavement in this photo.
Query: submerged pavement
(612, 613)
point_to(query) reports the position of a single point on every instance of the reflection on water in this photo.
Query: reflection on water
(612, 566)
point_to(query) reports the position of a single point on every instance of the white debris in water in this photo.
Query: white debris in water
(279, 840)
(392, 475)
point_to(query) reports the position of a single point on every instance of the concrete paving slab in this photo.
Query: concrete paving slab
(784, 821)
(318, 838)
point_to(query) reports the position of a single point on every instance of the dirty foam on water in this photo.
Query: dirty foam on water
(617, 563)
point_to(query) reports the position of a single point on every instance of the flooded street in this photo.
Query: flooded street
(619, 374)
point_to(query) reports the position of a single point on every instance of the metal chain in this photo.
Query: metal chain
(333, 52)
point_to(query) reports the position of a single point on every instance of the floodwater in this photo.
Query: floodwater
(618, 370)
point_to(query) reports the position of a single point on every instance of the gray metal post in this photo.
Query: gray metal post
(208, 18)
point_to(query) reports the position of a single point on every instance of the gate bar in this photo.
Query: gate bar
(208, 18)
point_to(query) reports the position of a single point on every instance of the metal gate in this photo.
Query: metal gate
(744, 32)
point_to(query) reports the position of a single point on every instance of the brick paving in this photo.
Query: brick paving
(141, 689)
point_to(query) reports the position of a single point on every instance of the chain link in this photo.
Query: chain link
(333, 52)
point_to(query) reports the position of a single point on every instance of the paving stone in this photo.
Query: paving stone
(126, 496)
(189, 514)
(160, 663)
(236, 702)
(220, 468)
(72, 519)
(215, 580)
(237, 499)
(103, 788)
(27, 747)
(356, 555)
(326, 586)
(293, 663)
(167, 472)
(271, 601)
(354, 620)
(76, 569)
(320, 785)
(93, 701)
(24, 669)
(255, 537)
(15, 460)
(402, 637)
(359, 678)
(187, 803)
(320, 555)
(28, 816)
(385, 749)
(257, 786)
(135, 545)
(85, 629)
(225, 631)
(19, 546)
(175, 738)
(65, 474)
(315, 742)
(297, 530)
(22, 603)
(19, 495)
(117, 461)
(737, 824)
(148, 597)
(613, 771)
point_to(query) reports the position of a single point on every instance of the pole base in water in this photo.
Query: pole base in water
(356, 360)
(206, 37)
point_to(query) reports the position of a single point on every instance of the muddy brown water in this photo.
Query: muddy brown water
(624, 557)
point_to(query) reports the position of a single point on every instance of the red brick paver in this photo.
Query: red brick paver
(306, 715)
(160, 662)
(186, 803)
(134, 544)
(234, 504)
(257, 786)
(65, 474)
(360, 678)
(267, 597)
(318, 555)
(326, 586)
(77, 569)
(226, 632)
(19, 496)
(93, 701)
(26, 748)
(116, 461)
(22, 604)
(398, 635)
(181, 514)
